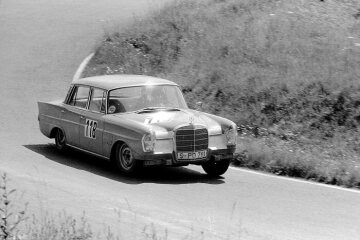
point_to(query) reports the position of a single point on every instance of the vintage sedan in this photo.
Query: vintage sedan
(138, 121)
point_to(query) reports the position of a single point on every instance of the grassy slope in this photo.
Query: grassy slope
(287, 71)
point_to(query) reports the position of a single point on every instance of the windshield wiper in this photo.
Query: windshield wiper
(151, 109)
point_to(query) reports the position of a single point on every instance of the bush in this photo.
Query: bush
(11, 219)
(256, 62)
(287, 66)
(62, 227)
(313, 161)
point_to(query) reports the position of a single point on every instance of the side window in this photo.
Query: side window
(79, 96)
(68, 95)
(97, 102)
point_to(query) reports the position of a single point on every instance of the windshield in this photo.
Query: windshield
(150, 97)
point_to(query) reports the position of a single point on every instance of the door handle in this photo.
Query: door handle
(62, 111)
(82, 117)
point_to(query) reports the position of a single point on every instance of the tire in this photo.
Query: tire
(124, 159)
(216, 169)
(60, 140)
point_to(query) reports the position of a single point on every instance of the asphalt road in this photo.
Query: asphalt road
(41, 44)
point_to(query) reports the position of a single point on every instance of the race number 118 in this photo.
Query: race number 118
(90, 128)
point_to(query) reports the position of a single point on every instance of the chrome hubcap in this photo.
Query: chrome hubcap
(126, 158)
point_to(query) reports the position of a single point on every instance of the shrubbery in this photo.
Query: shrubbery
(238, 58)
(290, 67)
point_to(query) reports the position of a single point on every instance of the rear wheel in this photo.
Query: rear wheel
(216, 169)
(60, 140)
(125, 160)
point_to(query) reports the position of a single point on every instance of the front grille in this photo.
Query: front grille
(191, 138)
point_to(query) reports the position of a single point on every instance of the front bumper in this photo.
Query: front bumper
(165, 154)
(169, 159)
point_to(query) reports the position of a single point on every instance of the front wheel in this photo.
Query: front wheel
(125, 160)
(216, 169)
(60, 140)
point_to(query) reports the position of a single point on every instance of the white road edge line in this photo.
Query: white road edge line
(295, 179)
(82, 66)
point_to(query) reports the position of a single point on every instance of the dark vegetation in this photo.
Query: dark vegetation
(10, 219)
(287, 72)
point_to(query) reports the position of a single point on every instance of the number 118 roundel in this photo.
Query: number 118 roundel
(137, 121)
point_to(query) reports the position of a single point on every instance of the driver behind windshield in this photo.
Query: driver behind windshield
(152, 96)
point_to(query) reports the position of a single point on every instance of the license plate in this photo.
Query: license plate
(191, 155)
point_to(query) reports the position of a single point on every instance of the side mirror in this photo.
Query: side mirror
(198, 106)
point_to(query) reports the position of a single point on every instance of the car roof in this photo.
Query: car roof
(109, 82)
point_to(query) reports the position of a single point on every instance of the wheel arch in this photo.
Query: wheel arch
(113, 148)
(53, 131)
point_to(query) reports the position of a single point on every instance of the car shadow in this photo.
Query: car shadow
(86, 162)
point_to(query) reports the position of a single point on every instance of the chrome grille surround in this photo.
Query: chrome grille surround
(191, 138)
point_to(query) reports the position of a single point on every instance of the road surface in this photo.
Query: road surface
(41, 44)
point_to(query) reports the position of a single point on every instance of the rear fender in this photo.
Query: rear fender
(49, 117)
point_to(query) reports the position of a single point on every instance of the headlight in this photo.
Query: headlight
(231, 135)
(148, 142)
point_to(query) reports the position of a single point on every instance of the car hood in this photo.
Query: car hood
(169, 120)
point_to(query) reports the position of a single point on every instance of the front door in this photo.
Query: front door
(91, 132)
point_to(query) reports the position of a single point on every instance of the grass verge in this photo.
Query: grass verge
(316, 162)
(16, 225)
(287, 66)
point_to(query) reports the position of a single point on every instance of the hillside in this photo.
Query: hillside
(286, 71)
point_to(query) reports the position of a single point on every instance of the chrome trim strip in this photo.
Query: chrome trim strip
(61, 119)
(216, 134)
(196, 126)
(86, 151)
(68, 121)
(120, 136)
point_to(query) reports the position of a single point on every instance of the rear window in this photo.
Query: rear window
(80, 96)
